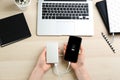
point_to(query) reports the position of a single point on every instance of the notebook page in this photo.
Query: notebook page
(113, 7)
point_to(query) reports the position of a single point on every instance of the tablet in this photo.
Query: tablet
(13, 28)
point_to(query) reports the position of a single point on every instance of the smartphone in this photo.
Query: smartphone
(72, 50)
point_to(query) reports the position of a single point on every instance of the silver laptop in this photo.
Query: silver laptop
(65, 17)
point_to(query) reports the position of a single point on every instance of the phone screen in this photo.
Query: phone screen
(73, 49)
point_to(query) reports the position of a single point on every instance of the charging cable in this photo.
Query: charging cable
(113, 35)
(57, 71)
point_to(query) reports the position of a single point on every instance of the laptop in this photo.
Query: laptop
(65, 17)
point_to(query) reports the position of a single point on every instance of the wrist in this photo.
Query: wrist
(37, 74)
(39, 70)
(78, 67)
(81, 73)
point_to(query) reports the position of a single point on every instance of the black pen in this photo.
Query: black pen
(108, 42)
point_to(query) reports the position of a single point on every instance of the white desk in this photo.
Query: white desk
(17, 60)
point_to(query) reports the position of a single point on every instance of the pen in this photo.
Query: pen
(108, 42)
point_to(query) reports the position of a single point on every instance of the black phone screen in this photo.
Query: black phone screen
(73, 49)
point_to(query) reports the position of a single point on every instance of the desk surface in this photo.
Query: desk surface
(17, 60)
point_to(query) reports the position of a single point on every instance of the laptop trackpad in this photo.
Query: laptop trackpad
(65, 28)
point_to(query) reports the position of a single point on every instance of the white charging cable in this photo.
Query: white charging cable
(57, 71)
(113, 35)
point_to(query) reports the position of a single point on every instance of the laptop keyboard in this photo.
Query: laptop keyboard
(65, 11)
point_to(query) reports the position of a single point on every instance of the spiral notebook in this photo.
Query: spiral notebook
(13, 29)
(113, 7)
(102, 8)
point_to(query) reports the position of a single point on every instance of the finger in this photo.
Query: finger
(81, 50)
(65, 46)
(43, 54)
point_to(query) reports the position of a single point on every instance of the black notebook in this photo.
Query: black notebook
(102, 8)
(13, 28)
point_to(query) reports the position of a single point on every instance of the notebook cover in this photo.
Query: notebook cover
(13, 28)
(102, 8)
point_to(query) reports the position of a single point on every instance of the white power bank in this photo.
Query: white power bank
(52, 52)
